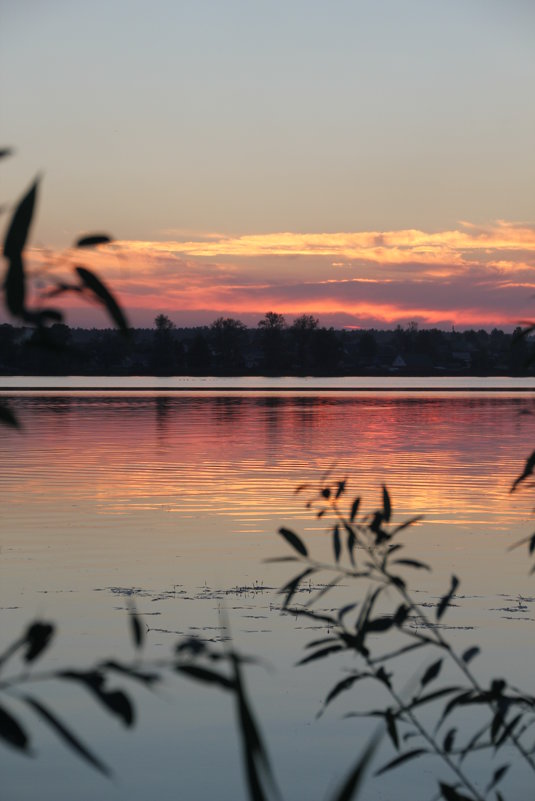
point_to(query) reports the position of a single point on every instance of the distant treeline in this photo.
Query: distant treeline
(228, 347)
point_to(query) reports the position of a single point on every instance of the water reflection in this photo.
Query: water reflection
(449, 457)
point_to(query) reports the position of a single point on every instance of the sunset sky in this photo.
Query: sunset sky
(371, 162)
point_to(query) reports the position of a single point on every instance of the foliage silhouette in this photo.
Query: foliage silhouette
(15, 287)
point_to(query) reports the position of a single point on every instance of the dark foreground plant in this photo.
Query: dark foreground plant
(192, 658)
(381, 628)
(15, 284)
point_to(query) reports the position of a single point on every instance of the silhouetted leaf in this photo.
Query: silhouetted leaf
(66, 735)
(401, 614)
(351, 542)
(431, 672)
(412, 563)
(115, 701)
(321, 654)
(340, 489)
(7, 417)
(5, 151)
(92, 240)
(387, 505)
(528, 470)
(255, 754)
(15, 286)
(380, 624)
(291, 588)
(470, 653)
(11, 731)
(138, 675)
(325, 493)
(408, 755)
(428, 698)
(207, 676)
(410, 522)
(95, 285)
(444, 602)
(392, 728)
(345, 609)
(449, 793)
(138, 632)
(293, 540)
(466, 697)
(354, 509)
(497, 776)
(336, 542)
(17, 233)
(345, 684)
(449, 740)
(37, 638)
(353, 781)
(508, 730)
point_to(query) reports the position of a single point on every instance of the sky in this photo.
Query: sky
(370, 162)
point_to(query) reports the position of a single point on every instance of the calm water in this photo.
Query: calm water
(179, 496)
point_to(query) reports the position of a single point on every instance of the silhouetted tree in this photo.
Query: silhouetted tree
(274, 353)
(228, 337)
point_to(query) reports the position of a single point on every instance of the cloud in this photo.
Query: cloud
(473, 275)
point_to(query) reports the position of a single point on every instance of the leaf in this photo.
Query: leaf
(391, 728)
(5, 151)
(444, 602)
(352, 783)
(293, 540)
(410, 522)
(11, 731)
(507, 731)
(37, 639)
(255, 754)
(449, 740)
(291, 588)
(528, 470)
(115, 701)
(412, 563)
(321, 654)
(102, 293)
(408, 755)
(449, 793)
(340, 489)
(138, 632)
(17, 233)
(470, 654)
(497, 776)
(344, 610)
(137, 675)
(66, 735)
(92, 240)
(351, 542)
(345, 684)
(387, 505)
(15, 286)
(354, 509)
(431, 672)
(207, 676)
(7, 417)
(336, 542)
(380, 624)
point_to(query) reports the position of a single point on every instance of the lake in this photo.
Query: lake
(172, 491)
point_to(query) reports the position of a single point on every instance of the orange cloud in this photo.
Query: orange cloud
(470, 276)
